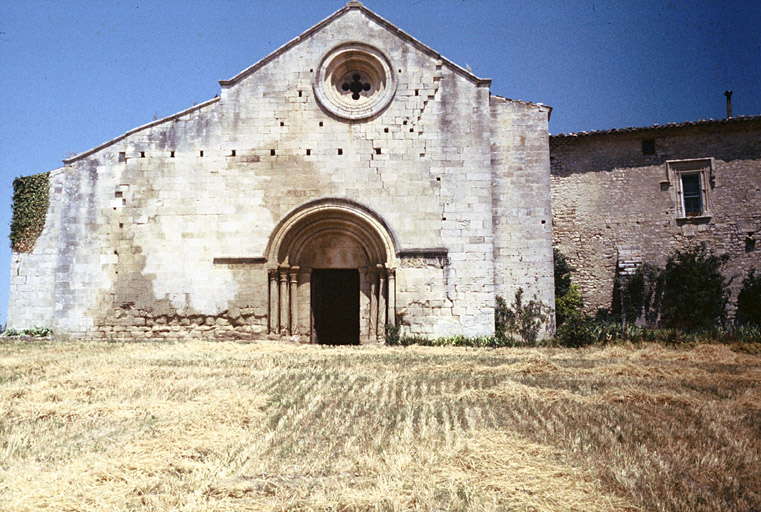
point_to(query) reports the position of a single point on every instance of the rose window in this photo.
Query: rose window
(354, 81)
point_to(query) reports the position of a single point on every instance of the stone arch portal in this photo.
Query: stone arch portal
(332, 277)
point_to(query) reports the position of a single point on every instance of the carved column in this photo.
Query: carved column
(391, 296)
(283, 301)
(364, 305)
(381, 303)
(305, 302)
(373, 329)
(294, 302)
(272, 321)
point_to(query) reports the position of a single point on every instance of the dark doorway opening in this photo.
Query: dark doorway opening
(335, 306)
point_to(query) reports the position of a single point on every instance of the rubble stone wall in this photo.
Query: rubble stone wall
(610, 199)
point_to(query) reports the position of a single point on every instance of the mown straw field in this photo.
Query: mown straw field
(226, 426)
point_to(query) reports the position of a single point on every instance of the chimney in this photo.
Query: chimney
(728, 94)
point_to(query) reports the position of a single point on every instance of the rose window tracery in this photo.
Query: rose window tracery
(356, 86)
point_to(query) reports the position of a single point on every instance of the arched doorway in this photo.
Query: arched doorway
(334, 278)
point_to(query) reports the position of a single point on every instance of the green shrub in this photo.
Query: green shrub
(522, 319)
(562, 273)
(568, 305)
(689, 293)
(695, 293)
(500, 322)
(749, 301)
(577, 331)
(641, 295)
(568, 301)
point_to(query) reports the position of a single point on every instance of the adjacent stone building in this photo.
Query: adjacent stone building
(352, 179)
(627, 196)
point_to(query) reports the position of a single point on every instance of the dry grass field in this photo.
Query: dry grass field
(226, 426)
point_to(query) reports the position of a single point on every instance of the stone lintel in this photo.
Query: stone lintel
(239, 261)
(434, 253)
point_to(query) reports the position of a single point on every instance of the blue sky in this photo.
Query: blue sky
(74, 74)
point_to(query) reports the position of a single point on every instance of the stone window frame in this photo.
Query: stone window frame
(703, 167)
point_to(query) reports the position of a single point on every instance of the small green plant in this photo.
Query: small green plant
(748, 333)
(35, 332)
(456, 341)
(392, 334)
(38, 332)
(749, 301)
(521, 318)
(414, 339)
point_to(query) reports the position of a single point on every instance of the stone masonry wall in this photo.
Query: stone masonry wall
(136, 225)
(522, 214)
(608, 197)
(32, 281)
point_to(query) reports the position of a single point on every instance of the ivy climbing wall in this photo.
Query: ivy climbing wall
(31, 197)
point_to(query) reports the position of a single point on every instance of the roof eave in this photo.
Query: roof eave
(540, 106)
(662, 127)
(71, 160)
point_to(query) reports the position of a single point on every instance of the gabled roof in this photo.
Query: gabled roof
(730, 121)
(355, 5)
(352, 5)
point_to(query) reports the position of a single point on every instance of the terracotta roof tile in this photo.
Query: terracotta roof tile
(659, 127)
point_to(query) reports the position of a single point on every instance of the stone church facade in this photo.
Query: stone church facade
(352, 179)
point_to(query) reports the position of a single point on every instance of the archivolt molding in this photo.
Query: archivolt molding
(332, 216)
